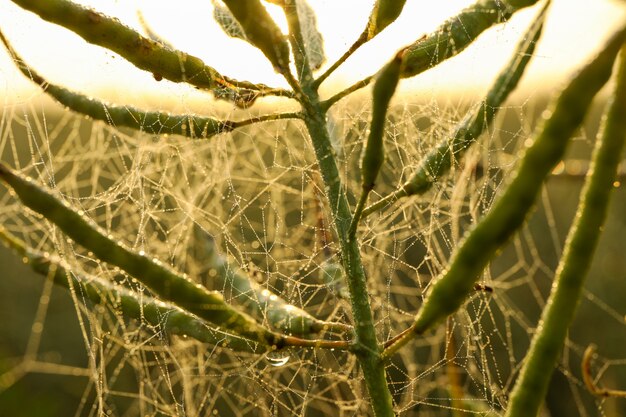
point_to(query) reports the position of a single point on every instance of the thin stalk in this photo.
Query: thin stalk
(588, 378)
(451, 288)
(327, 104)
(383, 14)
(358, 211)
(366, 347)
(440, 159)
(167, 318)
(532, 384)
(352, 49)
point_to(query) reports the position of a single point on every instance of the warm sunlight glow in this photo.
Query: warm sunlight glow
(571, 34)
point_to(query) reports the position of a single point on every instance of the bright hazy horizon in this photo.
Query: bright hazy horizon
(571, 35)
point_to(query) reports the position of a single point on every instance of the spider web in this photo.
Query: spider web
(256, 194)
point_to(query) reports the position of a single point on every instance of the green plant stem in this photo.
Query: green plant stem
(449, 290)
(327, 104)
(384, 13)
(167, 318)
(532, 384)
(142, 52)
(452, 37)
(366, 348)
(358, 211)
(440, 159)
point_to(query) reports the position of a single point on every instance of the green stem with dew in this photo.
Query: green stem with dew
(450, 290)
(440, 159)
(532, 384)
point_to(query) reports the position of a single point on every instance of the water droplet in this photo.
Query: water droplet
(277, 358)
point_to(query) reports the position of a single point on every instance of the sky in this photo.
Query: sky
(575, 28)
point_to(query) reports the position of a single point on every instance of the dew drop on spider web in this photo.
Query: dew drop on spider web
(277, 358)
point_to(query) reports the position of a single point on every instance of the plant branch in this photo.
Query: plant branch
(450, 290)
(440, 159)
(355, 46)
(327, 104)
(383, 14)
(153, 122)
(532, 384)
(366, 347)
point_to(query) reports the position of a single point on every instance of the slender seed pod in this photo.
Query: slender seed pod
(532, 385)
(159, 278)
(168, 318)
(439, 160)
(153, 122)
(449, 291)
(382, 92)
(110, 33)
(458, 32)
(451, 288)
(384, 13)
(144, 53)
(261, 31)
(259, 302)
